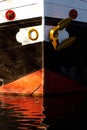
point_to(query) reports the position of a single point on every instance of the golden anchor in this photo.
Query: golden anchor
(54, 33)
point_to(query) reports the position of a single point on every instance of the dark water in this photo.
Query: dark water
(38, 113)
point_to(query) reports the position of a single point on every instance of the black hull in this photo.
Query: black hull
(70, 62)
(17, 60)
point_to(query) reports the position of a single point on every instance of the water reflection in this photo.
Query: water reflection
(21, 113)
(66, 111)
(48, 113)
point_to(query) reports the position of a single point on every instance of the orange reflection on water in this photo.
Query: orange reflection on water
(26, 110)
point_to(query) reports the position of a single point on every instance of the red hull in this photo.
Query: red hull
(36, 84)
(27, 85)
(56, 84)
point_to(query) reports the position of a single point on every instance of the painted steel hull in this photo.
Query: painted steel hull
(21, 69)
(66, 70)
(37, 69)
(32, 66)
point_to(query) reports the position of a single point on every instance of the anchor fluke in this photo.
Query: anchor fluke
(54, 35)
(67, 42)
